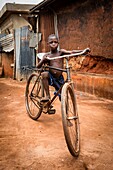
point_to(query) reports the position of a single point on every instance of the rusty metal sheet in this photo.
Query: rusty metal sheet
(7, 43)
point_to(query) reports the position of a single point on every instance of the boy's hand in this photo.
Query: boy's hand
(45, 58)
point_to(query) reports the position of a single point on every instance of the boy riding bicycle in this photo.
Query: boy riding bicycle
(53, 77)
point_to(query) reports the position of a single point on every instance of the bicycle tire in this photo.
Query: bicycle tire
(33, 94)
(70, 119)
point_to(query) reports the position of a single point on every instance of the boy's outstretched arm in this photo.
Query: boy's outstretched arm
(70, 51)
(63, 51)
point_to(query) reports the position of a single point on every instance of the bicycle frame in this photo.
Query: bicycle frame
(67, 70)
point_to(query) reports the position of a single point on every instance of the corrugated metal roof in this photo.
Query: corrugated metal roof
(7, 43)
(41, 5)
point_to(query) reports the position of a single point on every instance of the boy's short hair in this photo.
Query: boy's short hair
(51, 36)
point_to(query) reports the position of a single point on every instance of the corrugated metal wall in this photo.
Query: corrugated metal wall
(7, 42)
(24, 55)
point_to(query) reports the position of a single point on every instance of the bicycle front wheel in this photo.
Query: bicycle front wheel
(33, 94)
(70, 119)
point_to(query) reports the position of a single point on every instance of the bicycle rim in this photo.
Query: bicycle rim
(33, 94)
(70, 120)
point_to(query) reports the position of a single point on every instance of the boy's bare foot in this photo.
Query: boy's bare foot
(45, 99)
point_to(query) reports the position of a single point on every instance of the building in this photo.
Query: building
(14, 19)
(80, 24)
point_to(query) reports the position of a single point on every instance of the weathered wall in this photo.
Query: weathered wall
(46, 27)
(12, 22)
(88, 23)
(7, 60)
(98, 85)
(7, 25)
(19, 21)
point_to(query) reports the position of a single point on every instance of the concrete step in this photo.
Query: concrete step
(96, 84)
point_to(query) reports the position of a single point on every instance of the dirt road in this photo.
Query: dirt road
(40, 145)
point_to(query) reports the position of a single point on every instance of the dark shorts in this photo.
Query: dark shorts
(56, 82)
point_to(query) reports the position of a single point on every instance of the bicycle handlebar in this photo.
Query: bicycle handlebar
(70, 55)
(34, 68)
(54, 58)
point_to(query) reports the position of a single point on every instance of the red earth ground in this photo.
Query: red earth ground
(40, 145)
(93, 64)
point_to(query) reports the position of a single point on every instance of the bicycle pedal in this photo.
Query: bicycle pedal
(51, 111)
(51, 106)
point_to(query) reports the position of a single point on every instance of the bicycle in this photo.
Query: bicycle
(70, 119)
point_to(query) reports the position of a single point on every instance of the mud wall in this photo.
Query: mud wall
(92, 64)
(84, 24)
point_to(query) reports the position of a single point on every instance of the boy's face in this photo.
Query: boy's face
(53, 43)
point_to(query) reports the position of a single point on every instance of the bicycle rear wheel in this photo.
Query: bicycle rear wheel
(70, 119)
(33, 94)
